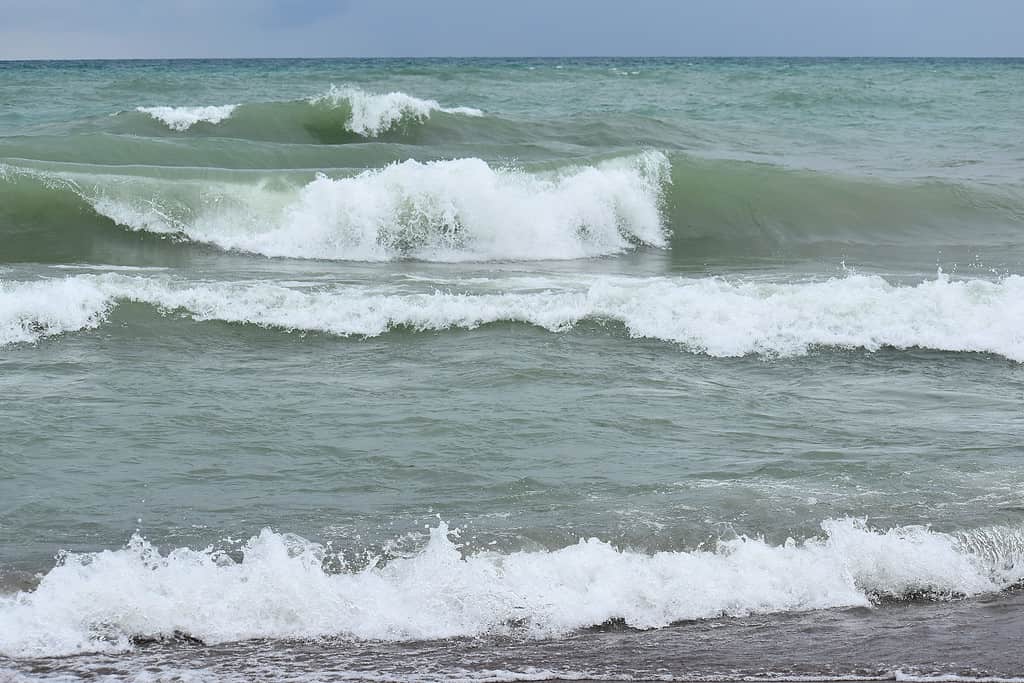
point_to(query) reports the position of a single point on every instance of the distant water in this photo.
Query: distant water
(512, 369)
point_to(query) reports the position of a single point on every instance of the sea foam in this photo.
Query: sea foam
(373, 114)
(183, 118)
(444, 210)
(280, 589)
(364, 113)
(30, 311)
(713, 316)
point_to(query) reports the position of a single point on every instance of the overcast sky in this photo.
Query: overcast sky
(418, 28)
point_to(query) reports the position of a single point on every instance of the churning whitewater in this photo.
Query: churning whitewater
(444, 210)
(712, 368)
(279, 587)
(712, 316)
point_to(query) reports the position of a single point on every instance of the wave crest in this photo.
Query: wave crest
(281, 589)
(371, 114)
(364, 114)
(443, 210)
(706, 315)
(30, 311)
(714, 211)
(183, 118)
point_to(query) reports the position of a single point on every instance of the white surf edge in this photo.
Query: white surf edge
(100, 602)
(712, 316)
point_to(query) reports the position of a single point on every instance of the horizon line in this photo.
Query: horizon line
(496, 57)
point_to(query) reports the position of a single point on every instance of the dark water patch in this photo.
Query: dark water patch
(973, 639)
(722, 208)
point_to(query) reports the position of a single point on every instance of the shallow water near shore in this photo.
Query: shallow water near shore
(511, 370)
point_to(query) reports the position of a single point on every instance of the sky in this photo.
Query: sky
(72, 29)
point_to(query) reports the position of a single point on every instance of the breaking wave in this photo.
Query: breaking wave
(712, 316)
(282, 586)
(30, 311)
(341, 114)
(468, 209)
(446, 210)
(372, 114)
(183, 118)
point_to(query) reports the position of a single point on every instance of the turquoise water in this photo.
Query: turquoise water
(479, 368)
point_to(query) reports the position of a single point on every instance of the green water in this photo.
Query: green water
(666, 304)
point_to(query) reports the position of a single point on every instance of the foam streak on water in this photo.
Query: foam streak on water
(709, 315)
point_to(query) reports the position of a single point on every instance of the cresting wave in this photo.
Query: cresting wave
(280, 589)
(704, 315)
(373, 114)
(183, 118)
(446, 210)
(32, 310)
(467, 209)
(364, 114)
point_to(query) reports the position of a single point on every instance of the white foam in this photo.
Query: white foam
(903, 677)
(30, 311)
(99, 601)
(445, 210)
(705, 315)
(183, 118)
(373, 114)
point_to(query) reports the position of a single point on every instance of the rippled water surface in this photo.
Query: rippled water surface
(508, 370)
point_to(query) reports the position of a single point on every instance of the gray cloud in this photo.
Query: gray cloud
(276, 28)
